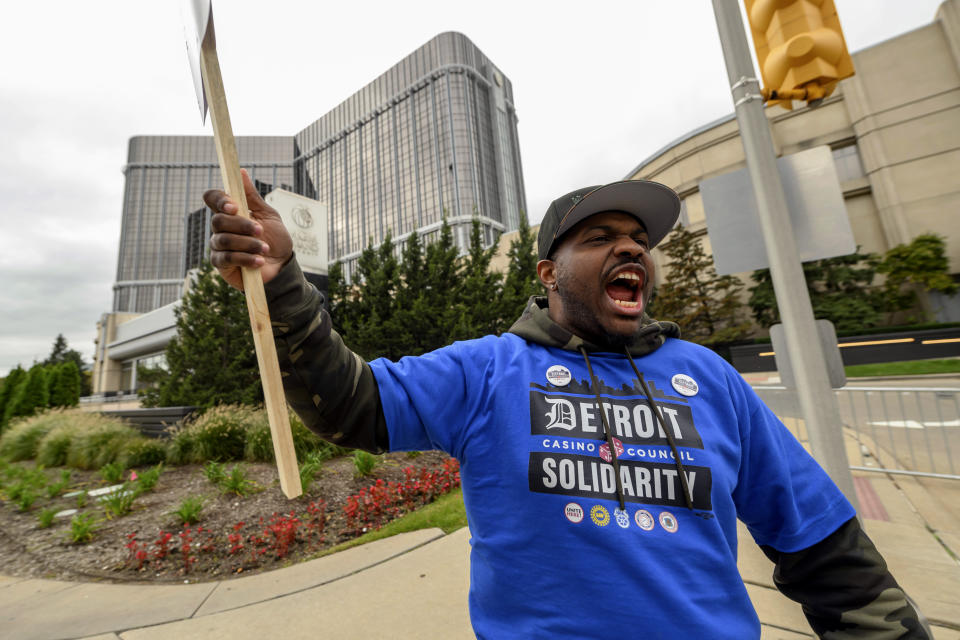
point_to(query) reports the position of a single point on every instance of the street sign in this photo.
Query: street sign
(815, 204)
(197, 26)
(306, 220)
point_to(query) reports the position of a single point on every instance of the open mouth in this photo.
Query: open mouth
(626, 288)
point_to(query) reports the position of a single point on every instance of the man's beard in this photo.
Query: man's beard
(585, 322)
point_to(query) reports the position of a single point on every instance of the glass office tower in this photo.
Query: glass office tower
(435, 135)
(165, 180)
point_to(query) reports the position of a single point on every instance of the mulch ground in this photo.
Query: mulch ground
(236, 535)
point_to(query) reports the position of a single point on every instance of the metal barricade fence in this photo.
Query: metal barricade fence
(905, 430)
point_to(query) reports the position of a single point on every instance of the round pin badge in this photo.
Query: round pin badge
(558, 375)
(644, 520)
(685, 385)
(605, 450)
(600, 515)
(668, 522)
(623, 520)
(573, 512)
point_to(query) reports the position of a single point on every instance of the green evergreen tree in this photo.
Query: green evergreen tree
(52, 381)
(913, 268)
(840, 291)
(8, 391)
(31, 395)
(60, 353)
(413, 313)
(440, 293)
(373, 331)
(212, 359)
(64, 385)
(339, 299)
(704, 304)
(521, 280)
(478, 291)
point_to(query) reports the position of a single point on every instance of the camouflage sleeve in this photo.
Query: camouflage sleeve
(845, 588)
(331, 388)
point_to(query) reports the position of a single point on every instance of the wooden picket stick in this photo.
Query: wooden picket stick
(252, 280)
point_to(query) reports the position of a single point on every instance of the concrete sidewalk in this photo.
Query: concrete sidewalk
(415, 585)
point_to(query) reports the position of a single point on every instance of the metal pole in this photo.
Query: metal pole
(818, 404)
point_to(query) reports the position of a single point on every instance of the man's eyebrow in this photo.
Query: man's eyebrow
(608, 229)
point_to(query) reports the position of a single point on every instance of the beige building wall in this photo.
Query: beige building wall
(500, 260)
(107, 372)
(894, 129)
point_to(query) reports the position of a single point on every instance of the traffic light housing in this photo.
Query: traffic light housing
(800, 48)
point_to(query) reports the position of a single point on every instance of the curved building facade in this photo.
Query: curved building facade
(894, 132)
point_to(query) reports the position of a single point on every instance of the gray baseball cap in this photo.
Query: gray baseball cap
(653, 204)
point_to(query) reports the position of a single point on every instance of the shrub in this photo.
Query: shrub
(81, 439)
(45, 518)
(144, 452)
(21, 439)
(308, 471)
(236, 481)
(148, 479)
(364, 462)
(112, 472)
(120, 502)
(214, 472)
(259, 446)
(25, 499)
(218, 434)
(260, 443)
(189, 510)
(101, 444)
(82, 528)
(53, 448)
(56, 488)
(180, 446)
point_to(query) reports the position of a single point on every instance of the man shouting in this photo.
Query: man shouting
(604, 461)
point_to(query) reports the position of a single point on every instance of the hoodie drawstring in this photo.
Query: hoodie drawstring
(687, 498)
(606, 429)
(595, 386)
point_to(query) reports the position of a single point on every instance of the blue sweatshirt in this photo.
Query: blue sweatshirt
(552, 555)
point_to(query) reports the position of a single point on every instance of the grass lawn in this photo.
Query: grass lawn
(446, 512)
(905, 368)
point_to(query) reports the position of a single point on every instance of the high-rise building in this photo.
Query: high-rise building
(165, 180)
(435, 135)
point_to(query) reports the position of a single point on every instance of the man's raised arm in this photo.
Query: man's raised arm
(331, 388)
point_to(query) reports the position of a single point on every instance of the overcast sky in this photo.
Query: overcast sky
(598, 88)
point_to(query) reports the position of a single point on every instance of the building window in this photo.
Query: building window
(126, 376)
(847, 161)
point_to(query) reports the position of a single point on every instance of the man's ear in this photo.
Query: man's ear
(547, 272)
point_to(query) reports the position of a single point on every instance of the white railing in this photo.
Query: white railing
(905, 430)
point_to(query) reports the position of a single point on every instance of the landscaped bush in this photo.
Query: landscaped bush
(237, 432)
(75, 438)
(144, 452)
(260, 443)
(102, 444)
(21, 440)
(53, 448)
(219, 433)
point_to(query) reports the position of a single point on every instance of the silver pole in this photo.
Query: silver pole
(818, 404)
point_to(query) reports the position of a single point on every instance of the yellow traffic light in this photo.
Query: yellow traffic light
(800, 48)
